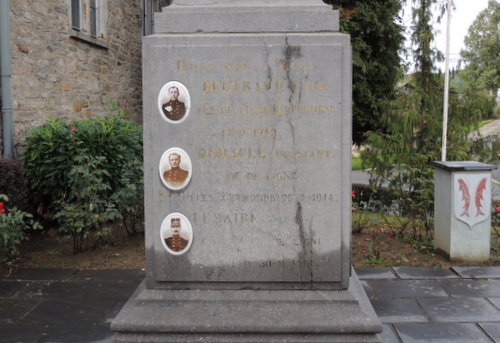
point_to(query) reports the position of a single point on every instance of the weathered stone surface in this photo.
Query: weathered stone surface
(51, 72)
(255, 100)
(490, 272)
(388, 335)
(398, 310)
(492, 329)
(441, 332)
(268, 134)
(375, 273)
(247, 316)
(407, 288)
(266, 16)
(471, 288)
(424, 273)
(460, 309)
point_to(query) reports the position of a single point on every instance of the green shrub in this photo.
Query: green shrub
(14, 185)
(87, 172)
(13, 223)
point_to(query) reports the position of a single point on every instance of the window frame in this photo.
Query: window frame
(88, 19)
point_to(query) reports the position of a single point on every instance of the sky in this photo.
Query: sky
(462, 17)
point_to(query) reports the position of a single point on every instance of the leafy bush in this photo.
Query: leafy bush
(14, 184)
(13, 223)
(87, 172)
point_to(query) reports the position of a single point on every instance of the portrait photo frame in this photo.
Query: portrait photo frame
(184, 99)
(180, 245)
(175, 178)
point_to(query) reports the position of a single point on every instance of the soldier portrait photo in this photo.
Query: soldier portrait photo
(174, 102)
(175, 169)
(176, 233)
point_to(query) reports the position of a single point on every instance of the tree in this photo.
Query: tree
(377, 37)
(482, 51)
(400, 156)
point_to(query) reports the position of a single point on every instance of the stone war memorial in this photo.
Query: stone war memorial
(247, 150)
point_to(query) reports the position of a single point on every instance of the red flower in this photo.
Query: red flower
(497, 209)
(1, 205)
(2, 210)
(390, 238)
(73, 129)
(353, 194)
(363, 251)
(353, 210)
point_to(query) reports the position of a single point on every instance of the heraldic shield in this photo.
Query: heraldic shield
(472, 197)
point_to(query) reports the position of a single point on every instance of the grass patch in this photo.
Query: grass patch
(484, 122)
(357, 163)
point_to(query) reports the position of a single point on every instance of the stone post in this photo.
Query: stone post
(462, 210)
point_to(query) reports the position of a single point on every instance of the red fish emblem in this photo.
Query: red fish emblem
(462, 186)
(479, 196)
(464, 211)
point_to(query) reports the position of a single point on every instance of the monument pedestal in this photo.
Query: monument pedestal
(247, 161)
(214, 316)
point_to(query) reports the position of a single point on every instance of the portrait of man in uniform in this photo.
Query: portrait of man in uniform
(174, 109)
(175, 176)
(174, 102)
(175, 168)
(175, 241)
(176, 233)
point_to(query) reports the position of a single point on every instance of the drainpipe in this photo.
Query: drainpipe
(8, 151)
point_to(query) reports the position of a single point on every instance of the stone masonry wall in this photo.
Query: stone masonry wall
(54, 74)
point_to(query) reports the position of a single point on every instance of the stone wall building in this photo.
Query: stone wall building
(72, 58)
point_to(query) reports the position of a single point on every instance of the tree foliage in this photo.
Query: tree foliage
(400, 156)
(377, 37)
(482, 50)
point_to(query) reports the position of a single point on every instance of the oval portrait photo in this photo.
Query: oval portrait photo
(176, 233)
(175, 169)
(174, 102)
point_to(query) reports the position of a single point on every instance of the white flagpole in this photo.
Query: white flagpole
(446, 85)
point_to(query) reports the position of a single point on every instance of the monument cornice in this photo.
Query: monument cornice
(258, 16)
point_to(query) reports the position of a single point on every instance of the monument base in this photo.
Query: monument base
(241, 316)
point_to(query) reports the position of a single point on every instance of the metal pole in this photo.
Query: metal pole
(446, 85)
(8, 151)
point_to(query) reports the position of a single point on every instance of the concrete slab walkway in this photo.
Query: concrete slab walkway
(416, 304)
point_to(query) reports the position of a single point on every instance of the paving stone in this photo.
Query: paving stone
(460, 309)
(79, 334)
(114, 311)
(43, 274)
(119, 290)
(58, 289)
(471, 288)
(65, 311)
(492, 329)
(375, 273)
(398, 310)
(491, 272)
(424, 273)
(9, 288)
(495, 301)
(440, 332)
(407, 288)
(388, 335)
(368, 289)
(111, 275)
(21, 333)
(13, 309)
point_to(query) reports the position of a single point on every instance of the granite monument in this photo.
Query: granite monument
(267, 86)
